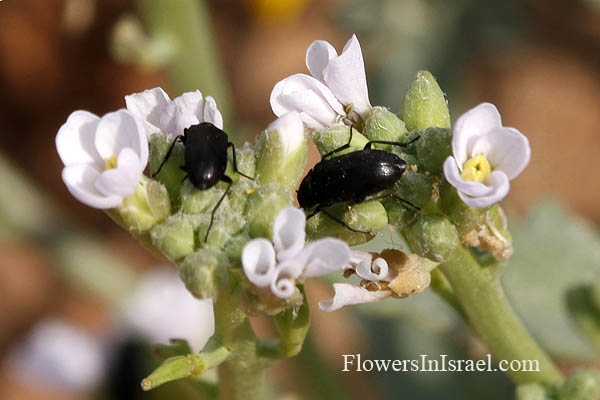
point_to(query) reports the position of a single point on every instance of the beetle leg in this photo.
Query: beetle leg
(184, 178)
(235, 167)
(225, 179)
(391, 195)
(180, 138)
(401, 144)
(339, 221)
(343, 147)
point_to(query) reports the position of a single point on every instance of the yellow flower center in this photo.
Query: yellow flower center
(476, 169)
(111, 163)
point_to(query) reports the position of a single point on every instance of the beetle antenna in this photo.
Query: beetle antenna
(401, 144)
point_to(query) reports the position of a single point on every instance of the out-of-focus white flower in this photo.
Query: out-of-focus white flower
(279, 264)
(161, 309)
(104, 157)
(58, 355)
(171, 117)
(337, 89)
(486, 155)
(369, 270)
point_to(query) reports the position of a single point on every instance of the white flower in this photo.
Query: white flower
(161, 309)
(104, 157)
(171, 117)
(369, 270)
(337, 89)
(486, 156)
(56, 354)
(279, 264)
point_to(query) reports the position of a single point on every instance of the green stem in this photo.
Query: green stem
(242, 376)
(196, 63)
(492, 317)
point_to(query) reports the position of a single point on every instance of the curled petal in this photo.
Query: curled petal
(212, 113)
(75, 139)
(81, 183)
(288, 233)
(507, 149)
(124, 179)
(314, 101)
(345, 76)
(471, 188)
(283, 288)
(181, 113)
(258, 261)
(358, 256)
(324, 256)
(375, 271)
(148, 106)
(346, 294)
(291, 129)
(498, 182)
(118, 130)
(468, 127)
(318, 56)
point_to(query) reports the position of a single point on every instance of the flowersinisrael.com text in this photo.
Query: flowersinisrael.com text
(355, 363)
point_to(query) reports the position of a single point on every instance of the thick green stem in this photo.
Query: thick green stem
(491, 316)
(242, 376)
(195, 63)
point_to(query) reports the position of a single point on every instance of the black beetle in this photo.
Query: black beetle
(205, 157)
(351, 178)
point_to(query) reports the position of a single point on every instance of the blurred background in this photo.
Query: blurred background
(538, 61)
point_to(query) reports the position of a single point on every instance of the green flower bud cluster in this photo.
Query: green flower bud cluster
(581, 385)
(174, 216)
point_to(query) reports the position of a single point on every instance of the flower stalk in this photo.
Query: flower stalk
(492, 317)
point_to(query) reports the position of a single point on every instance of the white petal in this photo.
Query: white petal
(75, 139)
(124, 179)
(258, 261)
(323, 256)
(358, 256)
(375, 271)
(58, 355)
(507, 150)
(308, 96)
(81, 182)
(318, 55)
(346, 294)
(160, 309)
(148, 106)
(291, 129)
(283, 288)
(183, 112)
(118, 130)
(470, 188)
(212, 113)
(476, 122)
(345, 76)
(500, 186)
(288, 232)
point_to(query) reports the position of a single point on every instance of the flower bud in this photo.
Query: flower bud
(196, 201)
(532, 391)
(246, 163)
(582, 385)
(147, 206)
(369, 217)
(174, 368)
(464, 217)
(433, 147)
(424, 104)
(170, 174)
(432, 236)
(262, 207)
(281, 152)
(337, 136)
(382, 124)
(414, 187)
(174, 237)
(204, 272)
